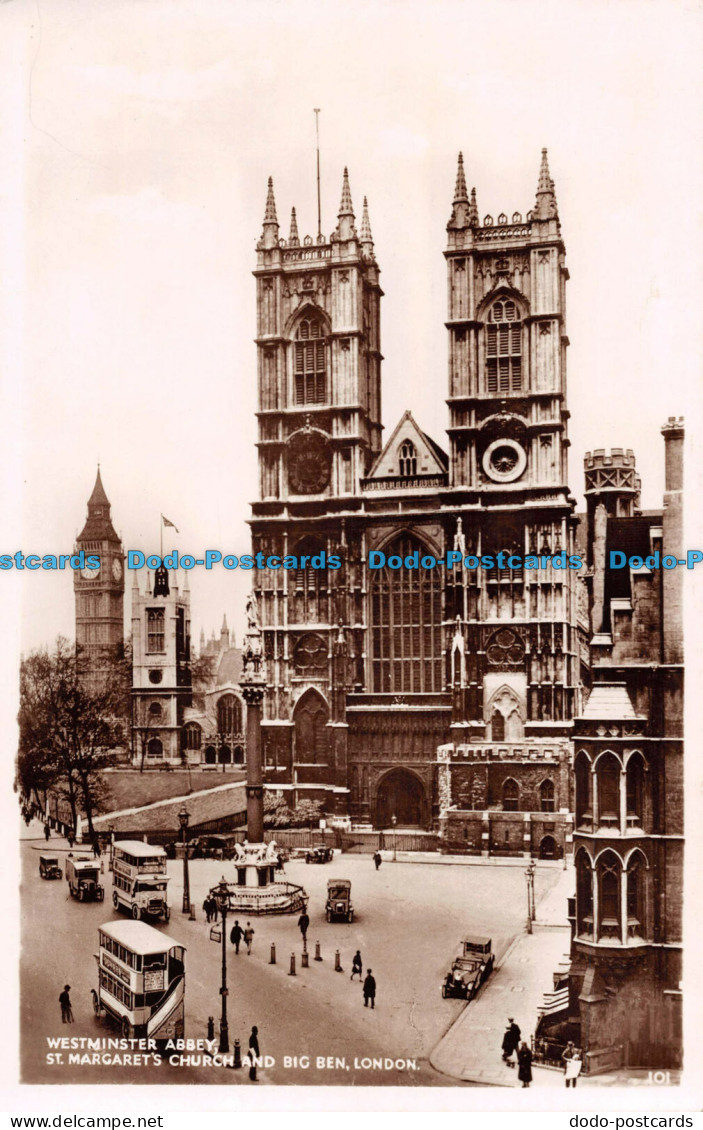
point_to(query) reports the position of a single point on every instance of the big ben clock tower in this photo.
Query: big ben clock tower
(99, 592)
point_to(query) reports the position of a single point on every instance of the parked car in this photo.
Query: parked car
(49, 867)
(339, 903)
(322, 854)
(470, 968)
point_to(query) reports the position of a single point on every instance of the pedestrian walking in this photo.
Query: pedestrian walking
(303, 923)
(235, 935)
(369, 990)
(571, 1058)
(248, 936)
(97, 850)
(47, 832)
(65, 1002)
(254, 1053)
(511, 1040)
(377, 859)
(206, 908)
(357, 967)
(70, 837)
(524, 1059)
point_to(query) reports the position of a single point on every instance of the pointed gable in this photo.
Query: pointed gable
(409, 456)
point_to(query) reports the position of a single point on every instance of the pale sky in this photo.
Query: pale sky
(136, 140)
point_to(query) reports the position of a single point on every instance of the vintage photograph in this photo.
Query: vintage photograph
(358, 379)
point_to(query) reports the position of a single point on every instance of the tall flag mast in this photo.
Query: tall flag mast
(319, 210)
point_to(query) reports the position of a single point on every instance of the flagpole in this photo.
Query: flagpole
(317, 139)
(161, 535)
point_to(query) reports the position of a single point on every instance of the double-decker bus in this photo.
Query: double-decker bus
(139, 879)
(141, 981)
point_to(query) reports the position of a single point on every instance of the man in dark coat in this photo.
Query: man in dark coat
(65, 1002)
(524, 1059)
(47, 832)
(303, 923)
(369, 990)
(377, 859)
(511, 1039)
(236, 935)
(253, 1052)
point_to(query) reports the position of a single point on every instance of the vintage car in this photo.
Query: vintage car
(470, 968)
(338, 903)
(83, 875)
(321, 854)
(49, 867)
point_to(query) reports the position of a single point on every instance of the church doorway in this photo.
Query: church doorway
(401, 795)
(548, 848)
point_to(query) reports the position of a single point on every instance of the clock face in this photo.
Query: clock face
(504, 460)
(117, 568)
(308, 462)
(90, 574)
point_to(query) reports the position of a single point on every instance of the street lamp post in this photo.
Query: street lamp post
(394, 821)
(183, 819)
(530, 877)
(221, 893)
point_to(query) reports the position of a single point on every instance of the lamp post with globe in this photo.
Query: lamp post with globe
(221, 895)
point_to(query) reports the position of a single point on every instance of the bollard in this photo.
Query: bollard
(192, 912)
(318, 956)
(102, 867)
(272, 959)
(337, 963)
(211, 1027)
(305, 960)
(291, 972)
(237, 1054)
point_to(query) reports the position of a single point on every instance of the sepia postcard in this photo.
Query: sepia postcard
(352, 401)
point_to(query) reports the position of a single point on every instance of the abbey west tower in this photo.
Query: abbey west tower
(405, 693)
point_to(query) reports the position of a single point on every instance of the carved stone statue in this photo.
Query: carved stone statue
(252, 613)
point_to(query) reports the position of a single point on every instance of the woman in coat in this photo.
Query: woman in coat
(524, 1059)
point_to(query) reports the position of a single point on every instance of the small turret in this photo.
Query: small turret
(293, 238)
(345, 227)
(366, 237)
(546, 202)
(461, 216)
(269, 236)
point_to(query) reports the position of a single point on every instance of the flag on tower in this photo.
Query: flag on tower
(167, 523)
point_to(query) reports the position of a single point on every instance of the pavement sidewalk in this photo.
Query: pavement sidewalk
(471, 1049)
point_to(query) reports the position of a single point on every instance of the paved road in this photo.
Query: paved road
(409, 919)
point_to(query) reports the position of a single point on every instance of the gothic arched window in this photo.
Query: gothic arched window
(503, 347)
(229, 715)
(406, 613)
(636, 897)
(310, 720)
(584, 895)
(155, 748)
(608, 774)
(192, 736)
(609, 876)
(497, 727)
(546, 796)
(407, 459)
(309, 588)
(511, 795)
(635, 789)
(582, 785)
(310, 365)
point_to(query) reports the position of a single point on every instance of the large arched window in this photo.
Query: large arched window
(192, 736)
(635, 790)
(406, 612)
(503, 347)
(608, 774)
(546, 796)
(407, 459)
(155, 748)
(307, 586)
(511, 795)
(582, 783)
(310, 720)
(609, 874)
(229, 715)
(497, 727)
(310, 377)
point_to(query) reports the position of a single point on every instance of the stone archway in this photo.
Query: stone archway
(401, 794)
(548, 848)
